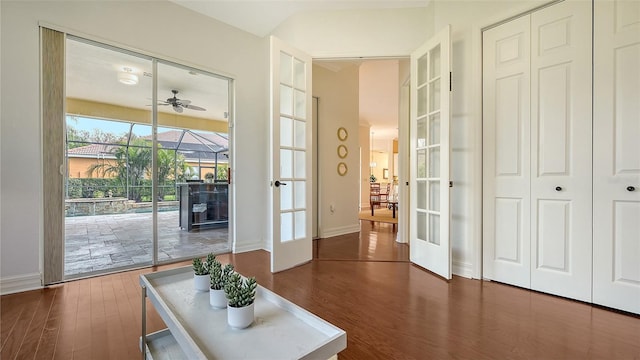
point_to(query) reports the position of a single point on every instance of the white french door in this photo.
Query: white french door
(616, 161)
(537, 151)
(291, 156)
(430, 246)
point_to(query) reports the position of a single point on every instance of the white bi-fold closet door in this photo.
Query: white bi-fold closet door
(616, 155)
(561, 202)
(537, 151)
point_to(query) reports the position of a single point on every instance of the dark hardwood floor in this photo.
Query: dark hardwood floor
(389, 308)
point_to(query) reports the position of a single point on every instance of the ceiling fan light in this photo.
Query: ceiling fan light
(127, 78)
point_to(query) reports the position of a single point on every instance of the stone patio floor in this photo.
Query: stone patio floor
(104, 243)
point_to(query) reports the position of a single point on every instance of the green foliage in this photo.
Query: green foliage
(88, 187)
(372, 178)
(219, 276)
(240, 292)
(200, 268)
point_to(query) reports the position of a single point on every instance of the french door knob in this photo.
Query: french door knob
(631, 188)
(278, 183)
(558, 188)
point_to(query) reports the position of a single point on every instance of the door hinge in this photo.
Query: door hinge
(450, 82)
(450, 184)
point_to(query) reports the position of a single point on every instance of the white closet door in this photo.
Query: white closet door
(506, 132)
(561, 173)
(616, 212)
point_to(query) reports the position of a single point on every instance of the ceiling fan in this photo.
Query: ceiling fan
(179, 104)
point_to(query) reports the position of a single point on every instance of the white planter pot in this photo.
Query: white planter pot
(240, 318)
(201, 282)
(217, 299)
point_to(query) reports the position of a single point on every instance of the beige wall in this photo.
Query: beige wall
(337, 107)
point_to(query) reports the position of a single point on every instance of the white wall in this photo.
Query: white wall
(355, 33)
(160, 28)
(338, 107)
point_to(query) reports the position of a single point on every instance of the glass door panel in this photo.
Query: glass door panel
(108, 220)
(192, 159)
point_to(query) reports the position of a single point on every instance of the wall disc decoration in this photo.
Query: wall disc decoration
(342, 134)
(342, 151)
(342, 169)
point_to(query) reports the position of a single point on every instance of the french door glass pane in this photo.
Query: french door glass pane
(434, 162)
(286, 226)
(422, 195)
(421, 133)
(300, 134)
(434, 229)
(434, 129)
(285, 69)
(434, 195)
(286, 198)
(434, 95)
(286, 163)
(421, 164)
(300, 225)
(286, 132)
(300, 191)
(434, 56)
(421, 224)
(286, 100)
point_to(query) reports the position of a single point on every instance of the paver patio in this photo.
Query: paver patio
(108, 242)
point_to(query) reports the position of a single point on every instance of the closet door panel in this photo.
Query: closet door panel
(616, 176)
(561, 150)
(506, 145)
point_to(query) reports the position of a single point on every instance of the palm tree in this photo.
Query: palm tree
(131, 165)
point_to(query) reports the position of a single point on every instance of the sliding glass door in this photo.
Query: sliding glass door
(146, 181)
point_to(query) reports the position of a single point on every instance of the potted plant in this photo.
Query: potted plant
(241, 294)
(201, 272)
(218, 277)
(372, 178)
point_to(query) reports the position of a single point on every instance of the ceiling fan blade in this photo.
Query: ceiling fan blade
(193, 107)
(184, 102)
(177, 108)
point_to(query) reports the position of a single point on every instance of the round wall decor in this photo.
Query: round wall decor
(342, 134)
(342, 169)
(342, 151)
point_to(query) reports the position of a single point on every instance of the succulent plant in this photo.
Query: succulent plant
(240, 291)
(200, 268)
(210, 260)
(218, 275)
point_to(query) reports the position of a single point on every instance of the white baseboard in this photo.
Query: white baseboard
(341, 230)
(248, 247)
(20, 283)
(462, 269)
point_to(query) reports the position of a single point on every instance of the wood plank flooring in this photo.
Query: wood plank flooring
(389, 308)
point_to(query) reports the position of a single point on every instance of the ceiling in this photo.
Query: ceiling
(261, 17)
(92, 74)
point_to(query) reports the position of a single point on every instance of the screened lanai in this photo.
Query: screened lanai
(109, 193)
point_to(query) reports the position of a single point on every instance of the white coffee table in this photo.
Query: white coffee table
(281, 330)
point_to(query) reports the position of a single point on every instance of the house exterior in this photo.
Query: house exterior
(170, 31)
